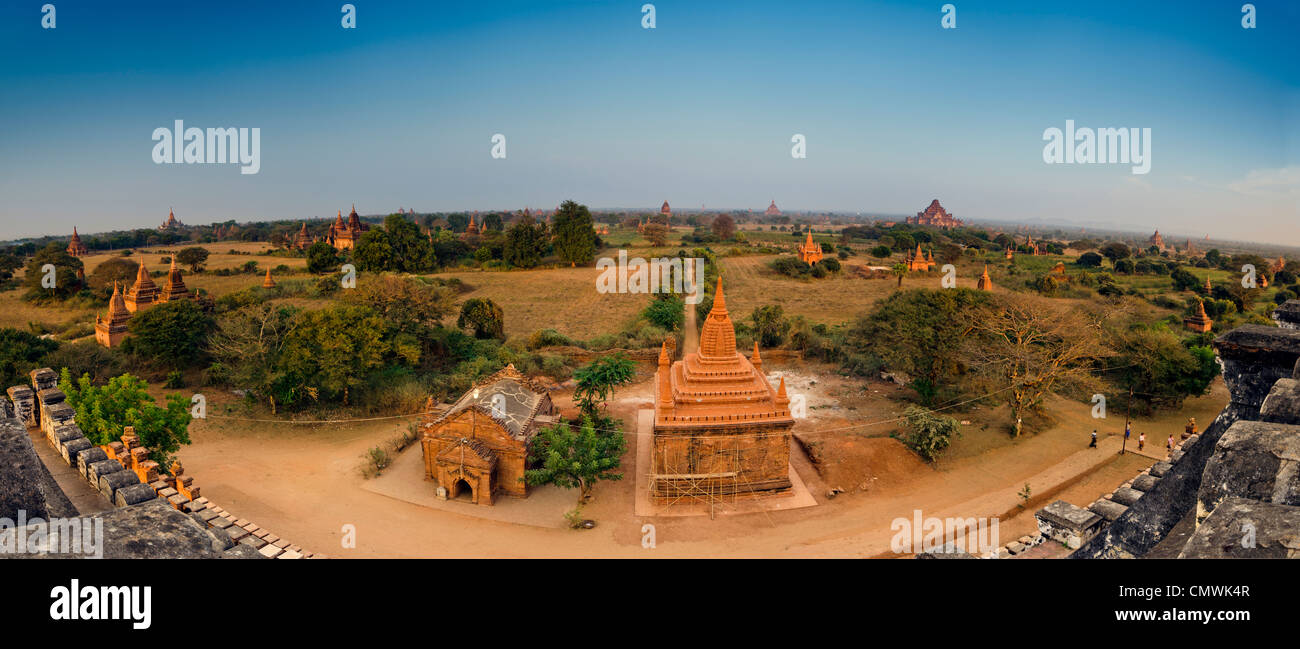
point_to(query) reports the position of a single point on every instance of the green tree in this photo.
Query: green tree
(20, 352)
(173, 334)
(918, 333)
(929, 433)
(900, 271)
(724, 227)
(770, 324)
(1090, 260)
(483, 317)
(246, 347)
(666, 311)
(567, 458)
(66, 268)
(1115, 251)
(193, 257)
(103, 413)
(1160, 369)
(525, 243)
(405, 302)
(597, 380)
(322, 258)
(881, 252)
(328, 353)
(374, 252)
(575, 238)
(117, 269)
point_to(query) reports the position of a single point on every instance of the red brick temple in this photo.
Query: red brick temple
(720, 428)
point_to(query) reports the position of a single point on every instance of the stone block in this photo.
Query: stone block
(289, 554)
(1175, 456)
(1159, 469)
(1015, 547)
(1287, 314)
(220, 522)
(87, 458)
(102, 468)
(1066, 523)
(207, 515)
(109, 483)
(236, 533)
(1126, 496)
(1282, 405)
(1227, 532)
(133, 495)
(1108, 509)
(253, 541)
(73, 448)
(270, 551)
(1255, 460)
(1145, 483)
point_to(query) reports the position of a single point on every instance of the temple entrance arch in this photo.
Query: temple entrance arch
(462, 490)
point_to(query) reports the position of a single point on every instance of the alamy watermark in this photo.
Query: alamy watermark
(947, 535)
(242, 146)
(83, 537)
(1098, 146)
(658, 275)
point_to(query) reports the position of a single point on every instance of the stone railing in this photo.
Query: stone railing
(124, 474)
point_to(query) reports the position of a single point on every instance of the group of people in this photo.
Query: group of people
(1188, 431)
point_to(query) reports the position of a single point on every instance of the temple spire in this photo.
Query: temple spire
(758, 360)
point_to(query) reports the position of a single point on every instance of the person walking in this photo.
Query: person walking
(1169, 444)
(1142, 441)
(1094, 440)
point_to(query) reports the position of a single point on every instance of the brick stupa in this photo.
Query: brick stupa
(174, 288)
(268, 282)
(810, 252)
(75, 247)
(110, 330)
(719, 426)
(985, 283)
(143, 293)
(1200, 322)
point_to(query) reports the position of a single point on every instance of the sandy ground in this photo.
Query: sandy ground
(303, 483)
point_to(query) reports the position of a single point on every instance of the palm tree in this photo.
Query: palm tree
(899, 271)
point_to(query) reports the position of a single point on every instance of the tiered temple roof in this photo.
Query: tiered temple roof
(810, 252)
(304, 240)
(935, 215)
(345, 235)
(772, 210)
(174, 288)
(111, 328)
(75, 247)
(1200, 322)
(143, 293)
(717, 387)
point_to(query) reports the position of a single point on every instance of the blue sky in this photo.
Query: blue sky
(399, 112)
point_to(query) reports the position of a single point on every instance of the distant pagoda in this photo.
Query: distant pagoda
(75, 247)
(268, 282)
(985, 282)
(772, 210)
(810, 252)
